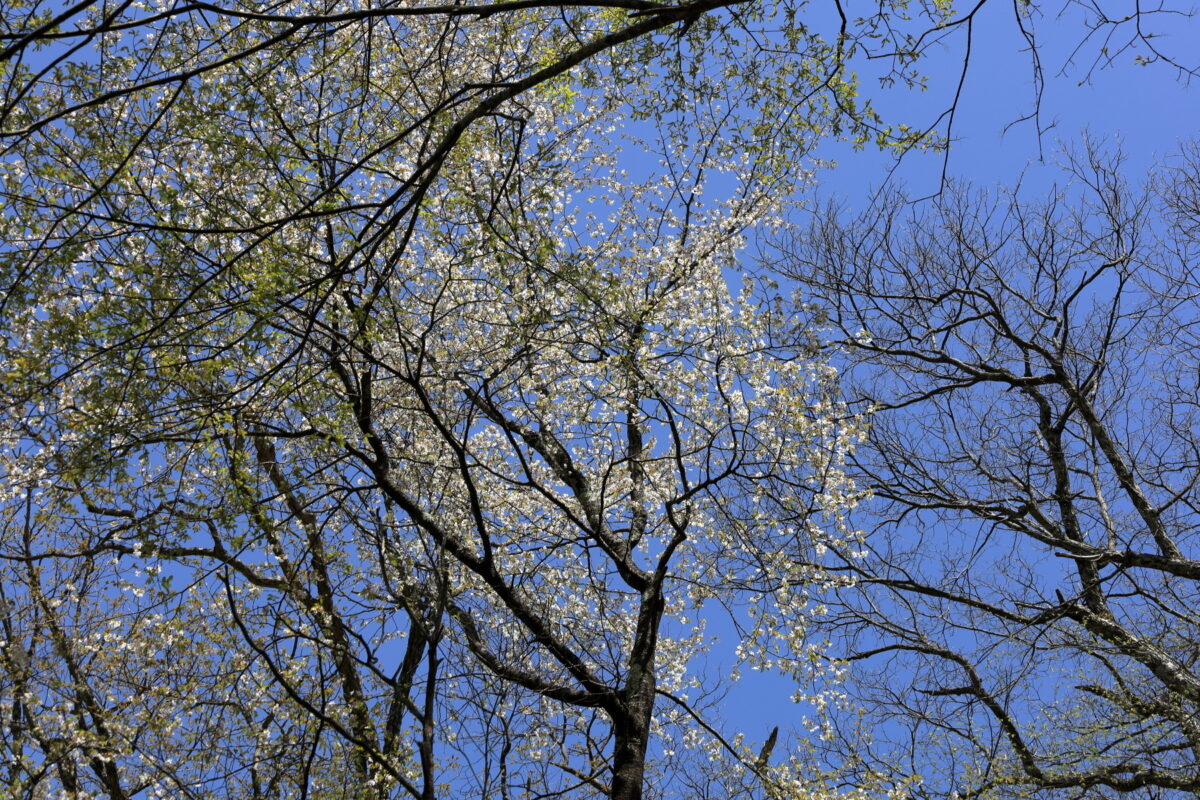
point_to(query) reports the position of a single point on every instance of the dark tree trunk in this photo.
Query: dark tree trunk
(629, 760)
(631, 733)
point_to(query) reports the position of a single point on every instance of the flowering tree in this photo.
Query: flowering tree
(372, 427)
(370, 431)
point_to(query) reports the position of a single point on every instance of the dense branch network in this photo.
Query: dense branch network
(1034, 455)
(383, 414)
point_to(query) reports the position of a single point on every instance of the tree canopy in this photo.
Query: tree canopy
(1031, 363)
(390, 399)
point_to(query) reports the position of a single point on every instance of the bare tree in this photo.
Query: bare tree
(1026, 621)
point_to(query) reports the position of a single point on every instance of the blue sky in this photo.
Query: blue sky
(1146, 108)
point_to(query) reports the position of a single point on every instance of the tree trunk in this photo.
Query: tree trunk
(631, 732)
(629, 761)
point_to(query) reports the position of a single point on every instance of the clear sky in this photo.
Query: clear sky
(1148, 109)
